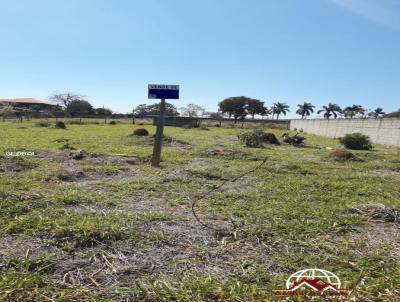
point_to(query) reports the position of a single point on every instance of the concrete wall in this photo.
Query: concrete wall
(381, 131)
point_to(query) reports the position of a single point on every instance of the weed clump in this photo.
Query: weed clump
(257, 138)
(342, 155)
(42, 264)
(356, 141)
(60, 125)
(140, 132)
(67, 146)
(378, 211)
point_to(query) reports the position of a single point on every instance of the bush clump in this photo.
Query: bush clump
(42, 124)
(356, 141)
(140, 132)
(113, 123)
(257, 138)
(60, 125)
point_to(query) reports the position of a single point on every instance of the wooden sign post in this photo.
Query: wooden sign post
(161, 92)
(155, 160)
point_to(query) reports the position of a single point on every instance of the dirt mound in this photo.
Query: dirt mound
(341, 155)
(378, 211)
(199, 162)
(60, 125)
(98, 159)
(219, 152)
(70, 174)
(140, 132)
(77, 154)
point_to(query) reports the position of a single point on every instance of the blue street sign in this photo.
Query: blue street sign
(163, 91)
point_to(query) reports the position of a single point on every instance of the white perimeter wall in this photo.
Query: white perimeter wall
(381, 131)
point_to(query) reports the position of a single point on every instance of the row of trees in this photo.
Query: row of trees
(237, 107)
(240, 107)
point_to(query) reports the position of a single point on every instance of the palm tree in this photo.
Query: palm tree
(330, 109)
(378, 112)
(279, 108)
(352, 111)
(305, 110)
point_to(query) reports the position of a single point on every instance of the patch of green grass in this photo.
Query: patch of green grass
(194, 288)
(42, 264)
(81, 230)
(105, 169)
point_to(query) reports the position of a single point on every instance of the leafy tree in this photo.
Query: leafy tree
(102, 111)
(234, 106)
(378, 112)
(279, 108)
(79, 106)
(305, 109)
(65, 99)
(192, 110)
(329, 110)
(154, 109)
(254, 107)
(352, 111)
(240, 106)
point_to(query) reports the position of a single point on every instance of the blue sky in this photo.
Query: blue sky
(343, 51)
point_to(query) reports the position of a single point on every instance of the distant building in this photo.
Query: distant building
(26, 103)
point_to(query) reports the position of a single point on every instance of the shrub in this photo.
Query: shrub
(60, 125)
(141, 132)
(113, 123)
(356, 141)
(42, 124)
(257, 138)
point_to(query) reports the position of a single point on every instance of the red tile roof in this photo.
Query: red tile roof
(24, 101)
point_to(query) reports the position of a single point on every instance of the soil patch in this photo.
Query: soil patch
(198, 162)
(15, 164)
